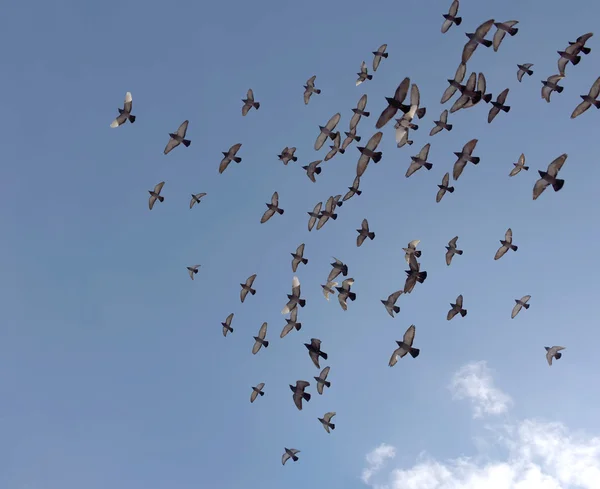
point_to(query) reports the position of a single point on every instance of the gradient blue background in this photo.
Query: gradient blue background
(113, 368)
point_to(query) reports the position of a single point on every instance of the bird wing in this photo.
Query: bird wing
(402, 90)
(228, 319)
(515, 310)
(395, 296)
(342, 300)
(484, 28)
(374, 141)
(151, 201)
(286, 329)
(502, 96)
(362, 102)
(449, 255)
(440, 195)
(409, 285)
(415, 96)
(452, 242)
(285, 457)
(324, 373)
(298, 400)
(246, 108)
(539, 187)
(433, 132)
(448, 93)
(354, 121)
(171, 145)
(257, 346)
(250, 95)
(459, 301)
(580, 109)
(315, 358)
(365, 225)
(377, 58)
(451, 313)
(361, 166)
(498, 36)
(275, 199)
(409, 335)
(459, 166)
(300, 250)
(414, 166)
(556, 165)
(224, 163)
(262, 333)
(520, 74)
(468, 51)
(514, 171)
(508, 235)
(234, 149)
(470, 147)
(360, 239)
(494, 111)
(250, 280)
(307, 95)
(446, 25)
(320, 141)
(267, 215)
(311, 81)
(333, 122)
(158, 187)
(386, 116)
(243, 294)
(525, 299)
(394, 358)
(253, 396)
(501, 252)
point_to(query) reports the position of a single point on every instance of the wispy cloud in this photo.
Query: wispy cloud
(475, 382)
(376, 460)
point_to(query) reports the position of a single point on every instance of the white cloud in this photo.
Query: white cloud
(376, 459)
(474, 382)
(539, 455)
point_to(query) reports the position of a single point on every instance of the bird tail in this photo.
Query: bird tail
(475, 160)
(318, 170)
(298, 326)
(256, 105)
(186, 142)
(418, 253)
(486, 43)
(529, 72)
(306, 396)
(327, 383)
(294, 158)
(294, 458)
(414, 126)
(340, 204)
(342, 151)
(345, 270)
(513, 30)
(160, 198)
(332, 135)
(596, 103)
(514, 247)
(304, 260)
(429, 166)
(261, 393)
(317, 91)
(369, 77)
(450, 189)
(366, 114)
(557, 185)
(371, 235)
(230, 329)
(253, 291)
(357, 138)
(576, 60)
(463, 312)
(280, 211)
(385, 55)
(237, 159)
(131, 118)
(506, 108)
(266, 343)
(414, 352)
(421, 277)
(526, 306)
(585, 50)
(457, 20)
(557, 355)
(396, 309)
(377, 157)
(323, 355)
(334, 216)
(458, 252)
(302, 302)
(358, 192)
(352, 296)
(542, 173)
(559, 89)
(525, 168)
(487, 98)
(421, 112)
(449, 127)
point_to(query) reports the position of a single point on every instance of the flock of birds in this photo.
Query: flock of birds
(471, 93)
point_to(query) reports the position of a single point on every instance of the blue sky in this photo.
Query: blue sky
(114, 371)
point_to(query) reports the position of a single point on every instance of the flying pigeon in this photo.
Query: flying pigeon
(390, 303)
(272, 208)
(566, 56)
(479, 93)
(364, 74)
(415, 102)
(359, 111)
(291, 323)
(288, 154)
(368, 153)
(451, 18)
(299, 393)
(419, 161)
(444, 187)
(353, 190)
(350, 136)
(249, 102)
(338, 267)
(380, 53)
(294, 297)
(475, 39)
(227, 325)
(441, 124)
(549, 177)
(464, 157)
(551, 85)
(247, 287)
(327, 131)
(322, 380)
(524, 68)
(411, 253)
(506, 245)
(314, 351)
(196, 199)
(309, 89)
(451, 250)
(327, 213)
(394, 103)
(230, 156)
(155, 194)
(193, 270)
(518, 166)
(580, 41)
(455, 83)
(405, 346)
(456, 308)
(502, 29)
(344, 293)
(259, 341)
(520, 303)
(498, 105)
(328, 289)
(298, 257)
(413, 275)
(335, 148)
(124, 113)
(178, 138)
(314, 215)
(313, 169)
(364, 233)
(553, 353)
(588, 100)
(469, 94)
(289, 453)
(326, 421)
(256, 391)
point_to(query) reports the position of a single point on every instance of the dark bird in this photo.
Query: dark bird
(327, 131)
(364, 74)
(338, 267)
(394, 103)
(193, 271)
(289, 453)
(368, 153)
(413, 275)
(441, 124)
(322, 380)
(287, 154)
(259, 341)
(581, 40)
(451, 18)
(364, 233)
(479, 93)
(328, 289)
(468, 94)
(588, 100)
(498, 105)
(326, 421)
(566, 56)
(524, 68)
(380, 53)
(451, 250)
(456, 308)
(353, 190)
(247, 287)
(337, 199)
(444, 187)
(327, 213)
(553, 353)
(155, 195)
(520, 303)
(294, 298)
(314, 351)
(299, 393)
(309, 89)
(314, 215)
(390, 303)
(551, 85)
(230, 156)
(464, 157)
(196, 199)
(455, 83)
(335, 148)
(257, 391)
(344, 293)
(178, 138)
(506, 244)
(272, 208)
(419, 161)
(350, 136)
(359, 111)
(227, 325)
(549, 177)
(502, 29)
(249, 102)
(298, 257)
(124, 113)
(313, 169)
(518, 166)
(475, 39)
(291, 323)
(405, 346)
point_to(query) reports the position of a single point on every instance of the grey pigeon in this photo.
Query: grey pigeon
(549, 177)
(479, 93)
(580, 41)
(469, 94)
(322, 380)
(451, 17)
(455, 83)
(405, 346)
(588, 100)
(289, 453)
(227, 325)
(272, 208)
(498, 105)
(364, 74)
(475, 39)
(124, 113)
(456, 308)
(465, 156)
(259, 341)
(518, 166)
(368, 153)
(380, 53)
(415, 102)
(441, 124)
(353, 190)
(364, 233)
(553, 352)
(155, 195)
(247, 287)
(309, 89)
(328, 289)
(504, 28)
(314, 215)
(390, 303)
(337, 200)
(404, 139)
(313, 169)
(298, 257)
(566, 56)
(196, 198)
(178, 138)
(551, 85)
(410, 252)
(506, 244)
(291, 323)
(394, 103)
(287, 154)
(335, 148)
(326, 421)
(444, 187)
(520, 303)
(338, 267)
(451, 250)
(403, 127)
(419, 161)
(249, 102)
(294, 297)
(230, 156)
(299, 393)
(193, 271)
(327, 213)
(350, 136)
(413, 275)
(257, 391)
(314, 351)
(359, 111)
(524, 69)
(345, 293)
(327, 131)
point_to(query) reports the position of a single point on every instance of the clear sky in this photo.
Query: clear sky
(113, 369)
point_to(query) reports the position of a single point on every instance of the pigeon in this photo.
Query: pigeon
(441, 124)
(230, 156)
(257, 391)
(314, 215)
(327, 131)
(451, 250)
(124, 113)
(415, 101)
(464, 157)
(394, 103)
(227, 325)
(469, 93)
(294, 298)
(359, 111)
(553, 353)
(299, 393)
(155, 194)
(288, 154)
(524, 69)
(506, 245)
(498, 105)
(259, 341)
(298, 257)
(581, 40)
(455, 83)
(419, 161)
(196, 199)
(364, 74)
(289, 453)
(551, 85)
(309, 89)
(403, 126)
(475, 39)
(502, 29)
(327, 213)
(272, 208)
(338, 267)
(480, 93)
(350, 136)
(364, 233)
(413, 275)
(337, 200)
(322, 380)
(444, 187)
(405, 346)
(247, 287)
(520, 303)
(451, 18)
(344, 293)
(368, 153)
(326, 421)
(410, 252)
(549, 177)
(518, 166)
(380, 53)
(566, 56)
(314, 351)
(249, 102)
(335, 148)
(313, 169)
(588, 100)
(291, 323)
(193, 271)
(390, 303)
(328, 289)
(456, 308)
(178, 138)
(404, 140)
